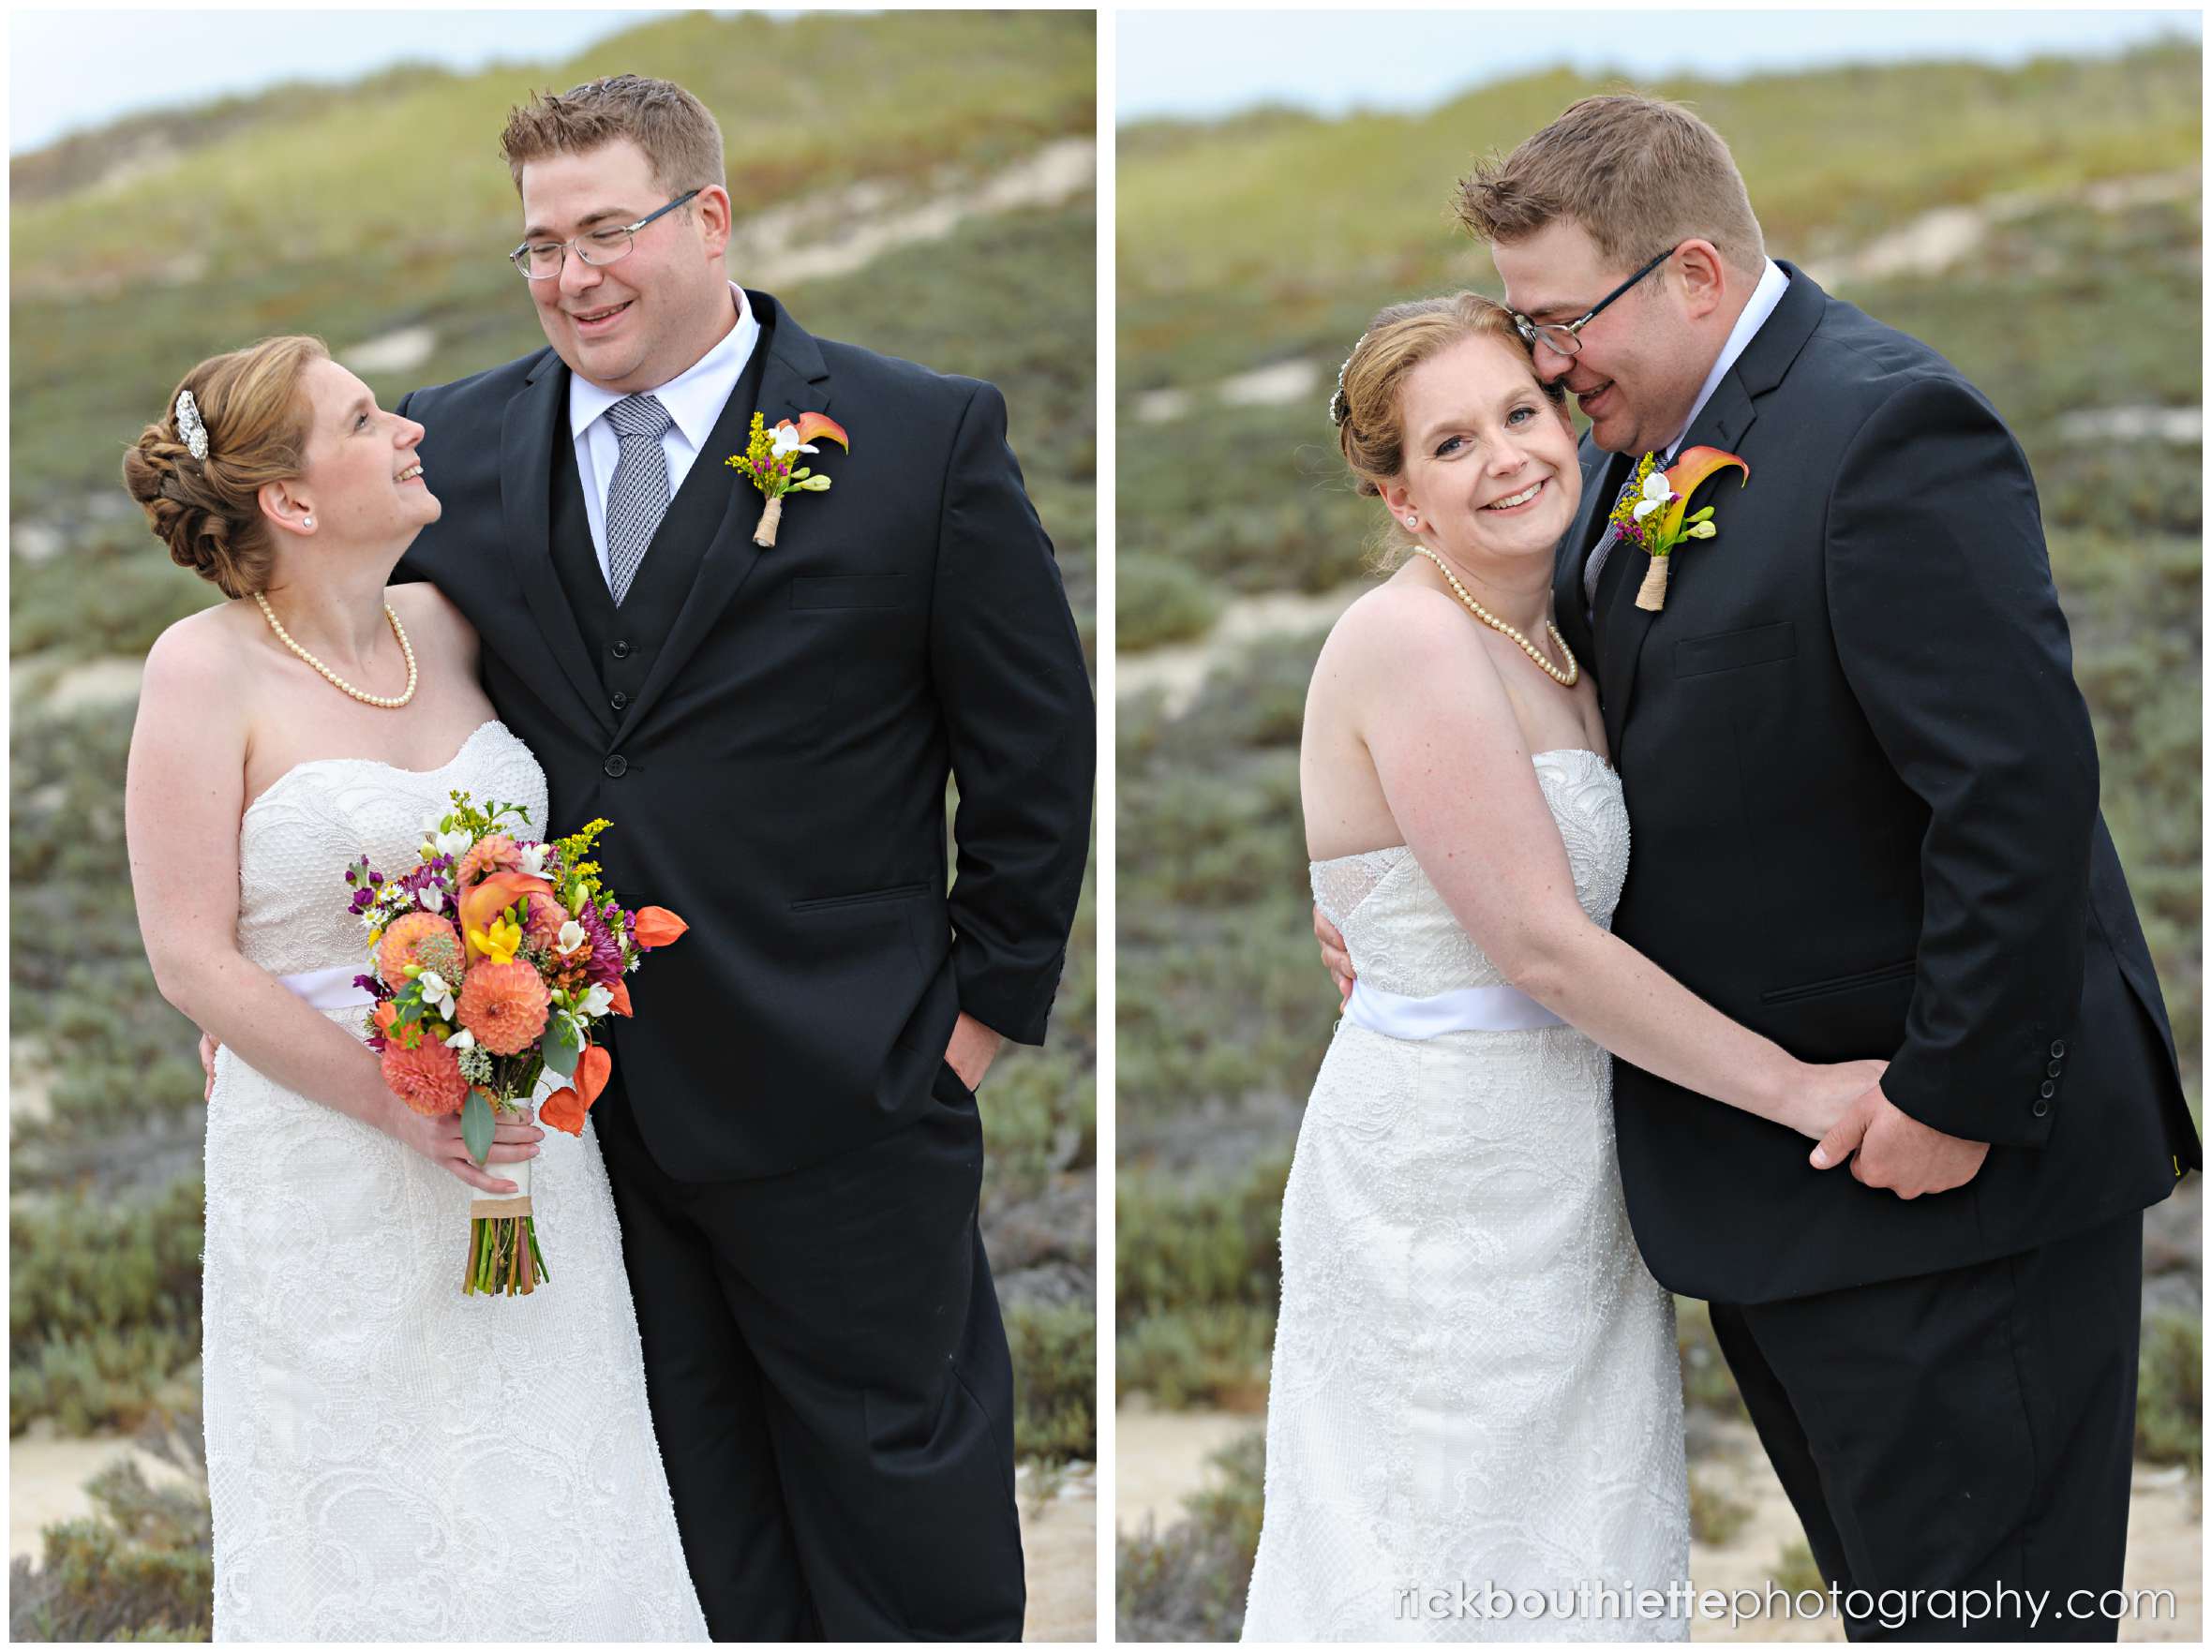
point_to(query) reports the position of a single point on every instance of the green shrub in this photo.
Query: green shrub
(2169, 1391)
(141, 1569)
(1159, 600)
(1188, 1583)
(1055, 1352)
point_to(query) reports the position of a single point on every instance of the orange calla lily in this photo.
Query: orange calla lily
(619, 994)
(490, 898)
(562, 1110)
(656, 926)
(593, 1069)
(813, 424)
(1689, 473)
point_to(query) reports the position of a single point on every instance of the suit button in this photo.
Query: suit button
(619, 649)
(2047, 1089)
(2055, 1068)
(2040, 1110)
(2057, 1049)
(620, 701)
(617, 766)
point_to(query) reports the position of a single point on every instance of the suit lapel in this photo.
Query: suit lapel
(794, 381)
(536, 418)
(1599, 484)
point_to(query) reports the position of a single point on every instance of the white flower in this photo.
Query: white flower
(786, 441)
(464, 1040)
(452, 844)
(1656, 493)
(436, 991)
(570, 938)
(532, 860)
(598, 1002)
(432, 898)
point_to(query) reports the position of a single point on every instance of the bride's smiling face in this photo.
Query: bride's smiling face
(362, 480)
(1490, 461)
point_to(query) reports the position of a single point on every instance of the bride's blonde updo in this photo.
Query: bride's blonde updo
(207, 510)
(1371, 424)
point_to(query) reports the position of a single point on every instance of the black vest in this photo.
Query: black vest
(626, 641)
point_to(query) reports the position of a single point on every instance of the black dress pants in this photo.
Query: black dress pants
(831, 1384)
(1959, 1430)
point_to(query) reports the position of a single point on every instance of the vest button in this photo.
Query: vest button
(617, 766)
(620, 701)
(2057, 1049)
(2046, 1090)
(2040, 1110)
(619, 649)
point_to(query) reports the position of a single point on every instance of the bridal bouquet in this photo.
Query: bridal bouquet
(491, 961)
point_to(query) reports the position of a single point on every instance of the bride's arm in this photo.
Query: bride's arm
(182, 800)
(1459, 782)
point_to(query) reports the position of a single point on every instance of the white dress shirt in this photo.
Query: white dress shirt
(1764, 297)
(695, 399)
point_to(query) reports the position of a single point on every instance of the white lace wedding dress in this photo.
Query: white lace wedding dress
(389, 1459)
(1474, 1376)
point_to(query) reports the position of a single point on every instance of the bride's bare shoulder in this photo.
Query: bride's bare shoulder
(432, 617)
(1399, 626)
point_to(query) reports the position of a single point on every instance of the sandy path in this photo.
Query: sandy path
(1060, 1554)
(1059, 1522)
(1161, 1459)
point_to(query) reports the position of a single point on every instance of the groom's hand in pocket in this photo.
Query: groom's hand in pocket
(1889, 1150)
(973, 1048)
(1335, 958)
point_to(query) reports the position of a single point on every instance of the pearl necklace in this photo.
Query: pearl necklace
(1566, 680)
(388, 702)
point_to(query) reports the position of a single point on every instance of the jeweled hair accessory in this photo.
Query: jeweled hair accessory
(188, 426)
(1339, 409)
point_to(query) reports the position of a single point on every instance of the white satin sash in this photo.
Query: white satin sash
(331, 989)
(1465, 1009)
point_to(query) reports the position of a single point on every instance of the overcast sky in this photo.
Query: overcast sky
(77, 68)
(1202, 64)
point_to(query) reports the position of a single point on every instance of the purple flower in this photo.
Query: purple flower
(605, 966)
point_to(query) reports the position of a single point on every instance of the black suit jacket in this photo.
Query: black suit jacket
(778, 779)
(1864, 797)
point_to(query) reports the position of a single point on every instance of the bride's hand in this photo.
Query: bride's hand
(439, 1140)
(1826, 1090)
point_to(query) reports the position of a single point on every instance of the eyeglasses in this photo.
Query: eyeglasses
(1565, 337)
(541, 260)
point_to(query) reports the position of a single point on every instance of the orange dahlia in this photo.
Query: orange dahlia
(419, 937)
(427, 1078)
(504, 1005)
(546, 914)
(496, 852)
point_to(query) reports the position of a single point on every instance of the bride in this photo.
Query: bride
(387, 1459)
(1475, 1394)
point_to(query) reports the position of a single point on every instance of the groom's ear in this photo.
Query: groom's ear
(1703, 278)
(715, 217)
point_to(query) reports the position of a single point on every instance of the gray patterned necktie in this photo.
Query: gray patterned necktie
(1603, 548)
(637, 498)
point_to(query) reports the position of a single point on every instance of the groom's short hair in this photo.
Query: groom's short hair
(1638, 173)
(680, 138)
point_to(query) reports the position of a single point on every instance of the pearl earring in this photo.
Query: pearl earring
(306, 521)
(1411, 520)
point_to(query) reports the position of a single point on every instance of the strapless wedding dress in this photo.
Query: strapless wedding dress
(1476, 1386)
(389, 1459)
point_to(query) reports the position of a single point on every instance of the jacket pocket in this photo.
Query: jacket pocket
(864, 898)
(1731, 650)
(1900, 971)
(851, 590)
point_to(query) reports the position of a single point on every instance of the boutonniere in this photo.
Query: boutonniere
(1649, 513)
(769, 458)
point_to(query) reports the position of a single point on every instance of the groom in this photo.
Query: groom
(1864, 795)
(792, 1131)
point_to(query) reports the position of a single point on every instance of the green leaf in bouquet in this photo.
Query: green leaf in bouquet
(476, 1126)
(564, 1045)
